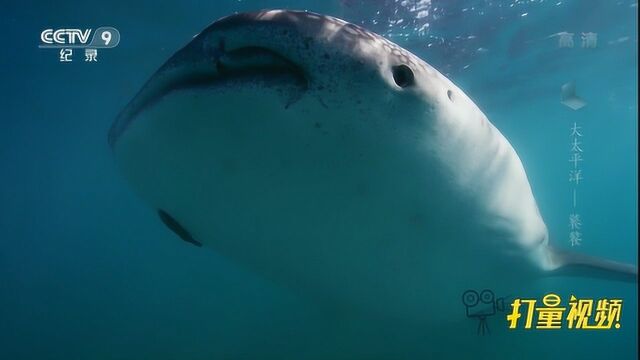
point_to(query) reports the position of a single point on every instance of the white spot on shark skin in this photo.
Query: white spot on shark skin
(421, 148)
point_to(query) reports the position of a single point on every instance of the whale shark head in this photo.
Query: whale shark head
(280, 138)
(303, 55)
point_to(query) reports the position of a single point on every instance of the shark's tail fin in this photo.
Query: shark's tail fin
(567, 263)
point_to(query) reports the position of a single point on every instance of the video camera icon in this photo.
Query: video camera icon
(480, 306)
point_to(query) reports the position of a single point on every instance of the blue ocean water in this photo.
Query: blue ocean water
(88, 272)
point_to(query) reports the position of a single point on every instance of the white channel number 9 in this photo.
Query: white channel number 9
(106, 37)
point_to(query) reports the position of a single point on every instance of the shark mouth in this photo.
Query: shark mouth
(244, 66)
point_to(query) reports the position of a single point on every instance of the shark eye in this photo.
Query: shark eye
(402, 75)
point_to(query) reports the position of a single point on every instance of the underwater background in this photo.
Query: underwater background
(88, 272)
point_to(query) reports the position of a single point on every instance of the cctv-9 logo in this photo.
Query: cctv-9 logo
(103, 37)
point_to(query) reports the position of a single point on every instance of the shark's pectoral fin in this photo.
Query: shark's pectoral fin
(567, 263)
(178, 229)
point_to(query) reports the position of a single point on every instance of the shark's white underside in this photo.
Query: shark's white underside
(344, 210)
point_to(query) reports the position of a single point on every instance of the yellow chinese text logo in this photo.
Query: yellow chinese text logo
(581, 313)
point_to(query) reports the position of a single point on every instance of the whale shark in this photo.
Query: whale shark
(333, 162)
